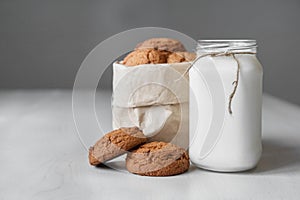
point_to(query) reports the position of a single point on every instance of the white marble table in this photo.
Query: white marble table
(41, 157)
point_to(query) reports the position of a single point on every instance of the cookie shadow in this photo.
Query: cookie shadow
(277, 157)
(114, 165)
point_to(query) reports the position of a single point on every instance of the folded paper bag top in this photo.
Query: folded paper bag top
(150, 84)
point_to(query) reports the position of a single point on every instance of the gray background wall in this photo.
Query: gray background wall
(42, 43)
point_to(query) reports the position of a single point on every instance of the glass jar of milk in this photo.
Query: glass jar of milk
(225, 106)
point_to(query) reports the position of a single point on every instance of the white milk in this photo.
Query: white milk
(220, 140)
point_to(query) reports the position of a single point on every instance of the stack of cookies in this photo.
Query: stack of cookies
(157, 51)
(146, 159)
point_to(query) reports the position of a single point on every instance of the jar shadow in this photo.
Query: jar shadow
(277, 158)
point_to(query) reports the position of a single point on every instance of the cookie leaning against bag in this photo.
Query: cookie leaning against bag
(114, 144)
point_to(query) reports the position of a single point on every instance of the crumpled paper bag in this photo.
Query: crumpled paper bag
(153, 97)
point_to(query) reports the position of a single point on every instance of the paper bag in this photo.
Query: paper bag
(153, 97)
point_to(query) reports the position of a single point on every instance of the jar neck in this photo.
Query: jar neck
(226, 46)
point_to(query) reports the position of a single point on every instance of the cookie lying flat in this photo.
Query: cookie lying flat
(115, 143)
(158, 159)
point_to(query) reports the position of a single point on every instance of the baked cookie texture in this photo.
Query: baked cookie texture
(115, 143)
(152, 56)
(158, 50)
(157, 159)
(177, 57)
(162, 44)
(188, 56)
(145, 56)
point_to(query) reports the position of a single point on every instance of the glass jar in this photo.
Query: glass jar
(225, 106)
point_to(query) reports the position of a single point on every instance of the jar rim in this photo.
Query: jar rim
(226, 45)
(227, 40)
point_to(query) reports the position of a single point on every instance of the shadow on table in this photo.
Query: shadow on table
(277, 158)
(114, 165)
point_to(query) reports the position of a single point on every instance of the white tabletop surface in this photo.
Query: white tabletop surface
(41, 157)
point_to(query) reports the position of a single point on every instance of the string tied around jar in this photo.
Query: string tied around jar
(232, 52)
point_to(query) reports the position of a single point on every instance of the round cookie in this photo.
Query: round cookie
(145, 56)
(163, 44)
(115, 143)
(158, 159)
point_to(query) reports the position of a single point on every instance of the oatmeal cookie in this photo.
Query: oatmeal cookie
(114, 144)
(145, 56)
(158, 159)
(177, 57)
(163, 44)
